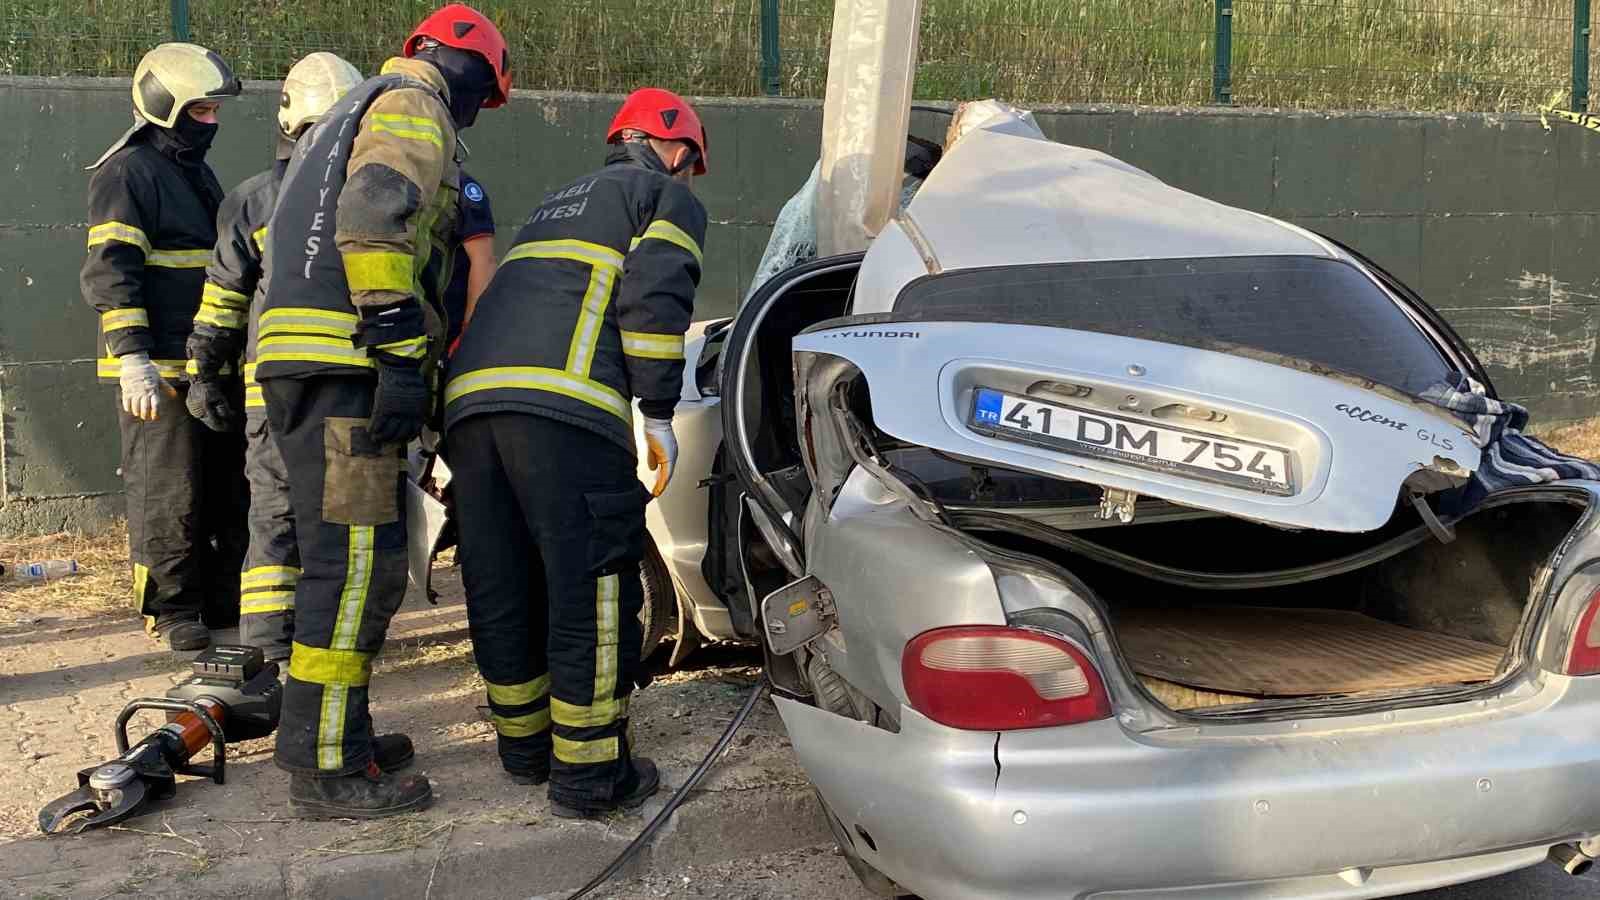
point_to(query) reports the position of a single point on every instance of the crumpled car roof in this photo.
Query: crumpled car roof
(1002, 197)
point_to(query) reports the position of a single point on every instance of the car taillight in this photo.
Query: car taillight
(993, 678)
(1583, 657)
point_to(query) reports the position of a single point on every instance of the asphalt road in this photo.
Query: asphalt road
(817, 873)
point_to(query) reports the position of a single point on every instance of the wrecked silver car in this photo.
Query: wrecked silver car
(1107, 541)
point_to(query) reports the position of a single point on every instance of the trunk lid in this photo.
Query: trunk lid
(1246, 433)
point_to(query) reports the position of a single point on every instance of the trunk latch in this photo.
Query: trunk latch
(1118, 504)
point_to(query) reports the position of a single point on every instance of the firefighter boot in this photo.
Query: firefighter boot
(526, 759)
(368, 794)
(392, 752)
(182, 634)
(640, 785)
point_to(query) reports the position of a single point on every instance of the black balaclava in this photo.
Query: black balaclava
(470, 77)
(194, 136)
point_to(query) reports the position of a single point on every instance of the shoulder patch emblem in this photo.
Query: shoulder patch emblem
(473, 191)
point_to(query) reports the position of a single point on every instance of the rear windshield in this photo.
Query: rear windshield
(1322, 311)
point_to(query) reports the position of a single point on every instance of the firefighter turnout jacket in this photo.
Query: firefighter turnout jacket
(226, 322)
(589, 307)
(152, 224)
(346, 273)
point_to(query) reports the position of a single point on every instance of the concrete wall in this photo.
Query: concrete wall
(1490, 217)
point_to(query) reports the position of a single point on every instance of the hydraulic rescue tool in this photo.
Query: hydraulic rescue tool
(233, 696)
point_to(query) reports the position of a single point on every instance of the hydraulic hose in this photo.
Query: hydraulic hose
(678, 796)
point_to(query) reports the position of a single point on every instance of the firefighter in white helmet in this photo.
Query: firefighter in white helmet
(152, 222)
(225, 332)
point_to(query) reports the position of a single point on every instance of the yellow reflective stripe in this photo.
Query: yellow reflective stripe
(314, 665)
(652, 346)
(253, 398)
(412, 348)
(141, 578)
(223, 297)
(422, 122)
(113, 319)
(286, 316)
(119, 231)
(518, 694)
(111, 367)
(410, 134)
(577, 251)
(268, 602)
(594, 715)
(582, 752)
(308, 326)
(521, 726)
(330, 725)
(260, 237)
(534, 378)
(357, 578)
(378, 270)
(591, 318)
(178, 259)
(209, 314)
(662, 230)
(249, 373)
(606, 613)
(300, 348)
(268, 575)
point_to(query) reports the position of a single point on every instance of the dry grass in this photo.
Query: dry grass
(103, 585)
(1579, 438)
(1410, 54)
(421, 653)
(402, 833)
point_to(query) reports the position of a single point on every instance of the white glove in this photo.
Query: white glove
(142, 386)
(662, 445)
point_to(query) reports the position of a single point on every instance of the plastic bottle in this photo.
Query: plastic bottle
(45, 570)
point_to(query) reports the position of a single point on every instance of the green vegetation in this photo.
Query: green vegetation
(1369, 54)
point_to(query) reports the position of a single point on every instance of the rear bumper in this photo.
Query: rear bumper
(1365, 809)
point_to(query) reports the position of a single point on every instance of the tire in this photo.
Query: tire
(660, 609)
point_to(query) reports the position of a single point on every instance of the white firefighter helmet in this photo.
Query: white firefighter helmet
(172, 76)
(313, 85)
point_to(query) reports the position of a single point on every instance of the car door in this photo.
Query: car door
(759, 486)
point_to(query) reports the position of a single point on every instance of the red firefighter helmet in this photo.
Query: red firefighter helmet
(464, 28)
(664, 116)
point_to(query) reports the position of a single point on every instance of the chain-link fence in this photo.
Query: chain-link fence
(1337, 54)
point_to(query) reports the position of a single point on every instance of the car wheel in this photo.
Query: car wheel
(660, 608)
(876, 883)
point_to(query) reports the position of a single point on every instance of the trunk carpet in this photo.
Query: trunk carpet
(1295, 652)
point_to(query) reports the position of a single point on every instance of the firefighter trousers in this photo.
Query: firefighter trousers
(187, 497)
(349, 519)
(551, 520)
(272, 562)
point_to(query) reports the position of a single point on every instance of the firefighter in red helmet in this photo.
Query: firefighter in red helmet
(348, 338)
(586, 315)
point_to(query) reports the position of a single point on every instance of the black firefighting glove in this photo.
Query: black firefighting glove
(210, 396)
(210, 402)
(400, 406)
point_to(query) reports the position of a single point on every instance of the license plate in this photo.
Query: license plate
(1182, 451)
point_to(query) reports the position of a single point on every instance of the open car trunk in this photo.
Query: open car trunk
(1216, 612)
